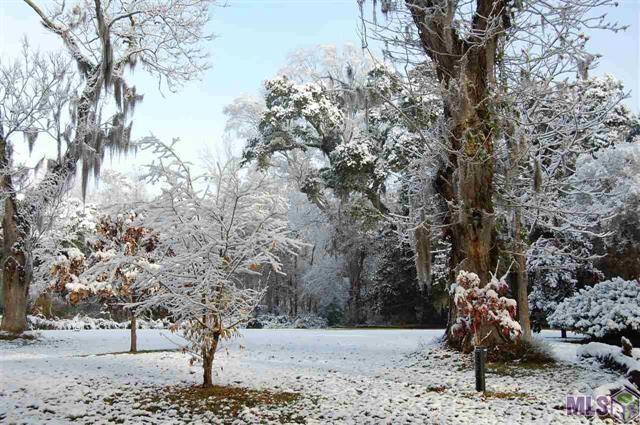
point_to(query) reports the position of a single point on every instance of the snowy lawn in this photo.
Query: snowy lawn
(313, 376)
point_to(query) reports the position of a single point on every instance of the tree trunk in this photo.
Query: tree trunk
(15, 289)
(563, 333)
(422, 236)
(16, 262)
(474, 228)
(208, 354)
(134, 335)
(465, 69)
(355, 266)
(522, 296)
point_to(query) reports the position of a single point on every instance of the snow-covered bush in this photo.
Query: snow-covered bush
(607, 309)
(479, 307)
(79, 322)
(309, 321)
(274, 321)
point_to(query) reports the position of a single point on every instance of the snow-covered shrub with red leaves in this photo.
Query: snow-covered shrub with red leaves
(478, 306)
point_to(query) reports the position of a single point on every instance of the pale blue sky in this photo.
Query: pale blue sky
(254, 38)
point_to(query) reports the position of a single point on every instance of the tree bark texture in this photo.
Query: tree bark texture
(465, 69)
(522, 282)
(16, 262)
(355, 267)
(134, 335)
(208, 354)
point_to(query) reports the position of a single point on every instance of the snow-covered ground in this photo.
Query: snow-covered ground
(344, 376)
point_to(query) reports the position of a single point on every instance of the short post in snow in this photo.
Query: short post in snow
(480, 361)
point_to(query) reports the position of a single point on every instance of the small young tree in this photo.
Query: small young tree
(215, 231)
(123, 249)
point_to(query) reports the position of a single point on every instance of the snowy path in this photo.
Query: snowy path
(346, 376)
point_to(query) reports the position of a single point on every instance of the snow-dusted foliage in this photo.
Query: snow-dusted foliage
(217, 233)
(120, 250)
(501, 154)
(296, 114)
(325, 280)
(117, 192)
(608, 309)
(71, 227)
(344, 161)
(88, 112)
(350, 114)
(303, 321)
(79, 322)
(554, 267)
(611, 353)
(614, 172)
(478, 307)
(66, 271)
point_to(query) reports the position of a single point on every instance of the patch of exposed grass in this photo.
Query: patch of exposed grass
(225, 402)
(436, 388)
(505, 395)
(9, 336)
(516, 369)
(115, 353)
(500, 395)
(536, 351)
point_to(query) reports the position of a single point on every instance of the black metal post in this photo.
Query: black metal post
(480, 366)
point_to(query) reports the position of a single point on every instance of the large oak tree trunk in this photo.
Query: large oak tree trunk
(15, 286)
(475, 224)
(16, 258)
(16, 263)
(465, 69)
